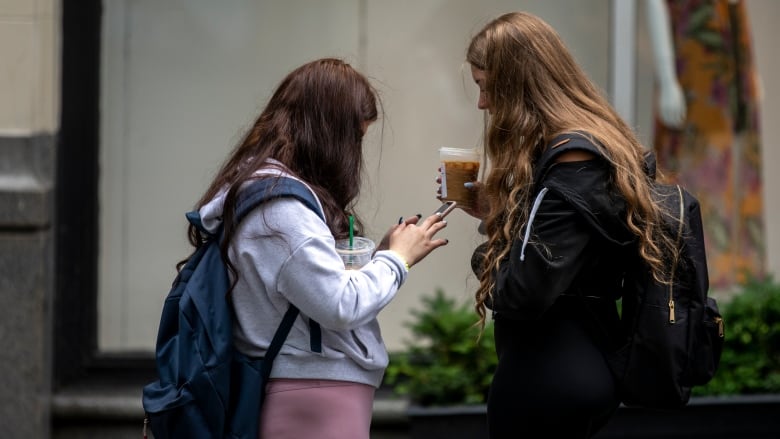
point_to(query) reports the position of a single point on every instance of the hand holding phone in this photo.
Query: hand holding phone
(445, 208)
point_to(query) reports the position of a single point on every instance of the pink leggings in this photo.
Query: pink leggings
(295, 409)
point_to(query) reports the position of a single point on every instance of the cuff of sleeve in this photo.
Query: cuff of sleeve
(400, 258)
(395, 262)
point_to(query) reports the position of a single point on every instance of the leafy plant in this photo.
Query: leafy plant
(750, 362)
(449, 362)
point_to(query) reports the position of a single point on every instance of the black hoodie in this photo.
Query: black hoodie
(577, 242)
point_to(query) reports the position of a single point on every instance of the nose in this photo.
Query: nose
(482, 103)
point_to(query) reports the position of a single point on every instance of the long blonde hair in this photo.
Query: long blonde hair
(536, 91)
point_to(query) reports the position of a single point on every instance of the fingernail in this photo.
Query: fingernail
(419, 215)
(468, 185)
(400, 220)
(446, 241)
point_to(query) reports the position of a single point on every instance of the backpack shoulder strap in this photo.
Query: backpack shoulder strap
(271, 188)
(556, 147)
(280, 336)
(250, 197)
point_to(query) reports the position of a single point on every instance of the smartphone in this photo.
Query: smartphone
(445, 208)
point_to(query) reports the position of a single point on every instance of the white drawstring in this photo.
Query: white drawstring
(529, 225)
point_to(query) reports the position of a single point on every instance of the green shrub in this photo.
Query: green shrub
(448, 362)
(750, 362)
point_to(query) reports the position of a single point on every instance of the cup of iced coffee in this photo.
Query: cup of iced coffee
(356, 254)
(458, 166)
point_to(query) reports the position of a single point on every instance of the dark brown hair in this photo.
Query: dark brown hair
(313, 125)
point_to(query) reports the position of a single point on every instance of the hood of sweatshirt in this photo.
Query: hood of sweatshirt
(211, 212)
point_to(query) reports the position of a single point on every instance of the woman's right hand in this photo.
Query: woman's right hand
(481, 206)
(413, 241)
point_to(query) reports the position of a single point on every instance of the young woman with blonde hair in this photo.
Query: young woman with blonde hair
(550, 271)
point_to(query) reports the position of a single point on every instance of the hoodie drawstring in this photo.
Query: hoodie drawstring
(528, 227)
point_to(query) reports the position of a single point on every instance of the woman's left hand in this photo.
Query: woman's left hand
(413, 241)
(384, 244)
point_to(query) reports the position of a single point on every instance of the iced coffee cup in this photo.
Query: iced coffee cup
(458, 166)
(356, 255)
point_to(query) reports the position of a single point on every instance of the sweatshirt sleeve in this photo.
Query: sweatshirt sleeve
(536, 273)
(314, 279)
(297, 260)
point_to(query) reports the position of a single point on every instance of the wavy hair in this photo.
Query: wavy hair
(313, 125)
(537, 91)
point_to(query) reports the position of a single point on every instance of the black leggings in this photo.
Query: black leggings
(551, 381)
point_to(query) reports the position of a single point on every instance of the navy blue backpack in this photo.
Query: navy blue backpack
(205, 387)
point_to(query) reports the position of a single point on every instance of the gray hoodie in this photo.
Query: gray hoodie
(284, 254)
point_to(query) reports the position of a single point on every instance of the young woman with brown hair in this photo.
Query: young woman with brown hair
(284, 254)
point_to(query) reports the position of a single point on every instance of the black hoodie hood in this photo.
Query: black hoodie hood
(584, 186)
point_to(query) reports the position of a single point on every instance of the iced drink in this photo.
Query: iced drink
(458, 166)
(356, 255)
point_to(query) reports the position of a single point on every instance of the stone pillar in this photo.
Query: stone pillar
(29, 32)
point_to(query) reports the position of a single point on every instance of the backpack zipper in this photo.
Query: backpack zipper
(676, 259)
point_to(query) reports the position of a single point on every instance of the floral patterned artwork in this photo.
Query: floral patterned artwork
(717, 154)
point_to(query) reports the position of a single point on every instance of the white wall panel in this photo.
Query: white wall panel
(181, 81)
(417, 50)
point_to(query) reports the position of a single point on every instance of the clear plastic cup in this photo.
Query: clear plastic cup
(356, 255)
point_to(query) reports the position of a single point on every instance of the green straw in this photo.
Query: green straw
(351, 229)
